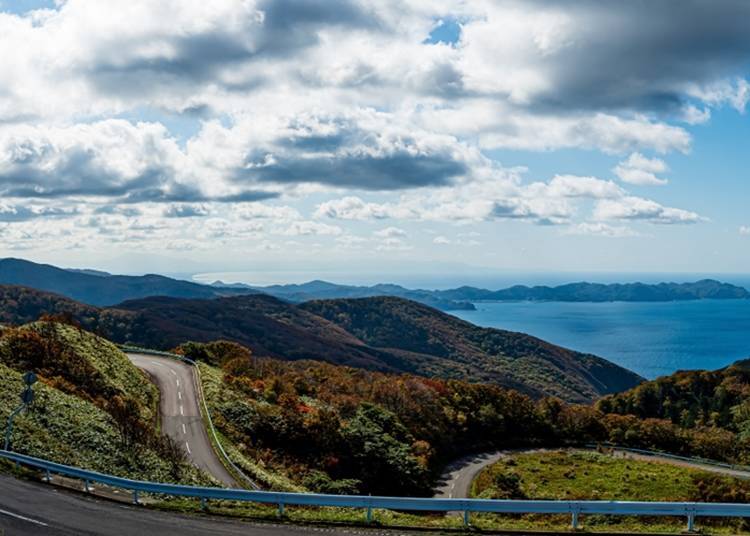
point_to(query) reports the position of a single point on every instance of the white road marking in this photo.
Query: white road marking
(157, 363)
(187, 446)
(182, 411)
(173, 372)
(184, 430)
(178, 383)
(179, 395)
(23, 518)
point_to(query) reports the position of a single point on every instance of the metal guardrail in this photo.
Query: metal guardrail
(693, 460)
(690, 510)
(199, 384)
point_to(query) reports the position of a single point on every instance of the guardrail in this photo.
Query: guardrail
(690, 510)
(199, 384)
(694, 460)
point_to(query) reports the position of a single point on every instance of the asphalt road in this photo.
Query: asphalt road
(43, 510)
(455, 482)
(180, 412)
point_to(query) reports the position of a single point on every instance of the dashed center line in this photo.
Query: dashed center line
(179, 395)
(187, 446)
(182, 411)
(184, 430)
(178, 382)
(173, 372)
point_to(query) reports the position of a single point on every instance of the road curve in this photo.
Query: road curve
(455, 482)
(180, 412)
(43, 510)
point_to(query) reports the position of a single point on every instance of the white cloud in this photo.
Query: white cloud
(637, 208)
(441, 240)
(350, 208)
(390, 232)
(600, 229)
(638, 169)
(745, 230)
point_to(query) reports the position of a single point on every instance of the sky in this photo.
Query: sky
(376, 140)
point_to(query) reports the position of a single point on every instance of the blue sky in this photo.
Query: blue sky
(363, 140)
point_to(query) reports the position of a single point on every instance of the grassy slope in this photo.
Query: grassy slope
(576, 475)
(564, 475)
(71, 424)
(66, 429)
(113, 365)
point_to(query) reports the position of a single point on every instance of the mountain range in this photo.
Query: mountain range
(387, 334)
(103, 289)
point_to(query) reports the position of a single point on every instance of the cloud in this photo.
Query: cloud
(16, 213)
(638, 169)
(600, 229)
(185, 211)
(441, 240)
(745, 230)
(311, 228)
(350, 208)
(637, 208)
(390, 232)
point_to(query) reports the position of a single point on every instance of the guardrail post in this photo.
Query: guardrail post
(369, 514)
(281, 509)
(135, 496)
(574, 520)
(203, 503)
(47, 476)
(691, 522)
(467, 518)
(86, 487)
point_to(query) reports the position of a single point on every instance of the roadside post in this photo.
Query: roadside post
(27, 397)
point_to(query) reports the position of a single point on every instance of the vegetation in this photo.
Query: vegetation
(383, 334)
(93, 409)
(338, 429)
(588, 475)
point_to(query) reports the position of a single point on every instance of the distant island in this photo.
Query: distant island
(463, 298)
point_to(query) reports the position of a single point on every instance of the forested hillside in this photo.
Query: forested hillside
(338, 429)
(383, 334)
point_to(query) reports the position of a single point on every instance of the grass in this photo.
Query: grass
(580, 475)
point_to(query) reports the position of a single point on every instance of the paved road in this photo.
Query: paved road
(43, 510)
(180, 412)
(455, 482)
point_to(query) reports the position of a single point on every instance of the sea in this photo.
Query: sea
(652, 339)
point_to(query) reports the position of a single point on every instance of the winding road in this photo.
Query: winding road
(180, 412)
(455, 482)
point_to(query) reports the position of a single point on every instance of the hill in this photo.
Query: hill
(93, 408)
(99, 288)
(383, 334)
(693, 398)
(410, 329)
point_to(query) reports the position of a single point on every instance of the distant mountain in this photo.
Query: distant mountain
(461, 298)
(323, 290)
(594, 292)
(100, 288)
(386, 334)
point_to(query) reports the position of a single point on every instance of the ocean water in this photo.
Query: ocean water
(652, 339)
